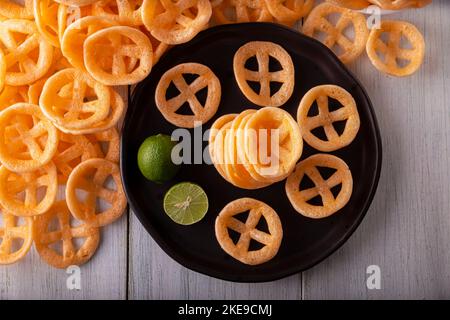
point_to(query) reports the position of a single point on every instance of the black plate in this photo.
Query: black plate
(306, 241)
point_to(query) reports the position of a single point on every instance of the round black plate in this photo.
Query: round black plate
(306, 241)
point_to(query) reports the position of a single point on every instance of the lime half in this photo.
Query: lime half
(186, 203)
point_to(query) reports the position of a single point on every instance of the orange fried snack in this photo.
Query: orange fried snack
(125, 12)
(241, 250)
(90, 177)
(322, 187)
(326, 118)
(28, 55)
(386, 56)
(22, 128)
(31, 184)
(201, 114)
(118, 56)
(289, 11)
(317, 23)
(175, 22)
(237, 11)
(107, 144)
(11, 234)
(263, 51)
(46, 18)
(12, 10)
(65, 233)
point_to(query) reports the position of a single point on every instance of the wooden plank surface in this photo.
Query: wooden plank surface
(406, 232)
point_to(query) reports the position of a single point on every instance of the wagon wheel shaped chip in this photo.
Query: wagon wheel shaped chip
(127, 51)
(46, 17)
(400, 4)
(187, 93)
(159, 48)
(286, 76)
(317, 23)
(90, 177)
(72, 150)
(24, 126)
(19, 40)
(75, 35)
(326, 118)
(125, 12)
(392, 51)
(289, 11)
(12, 95)
(351, 4)
(69, 14)
(248, 231)
(71, 99)
(322, 188)
(12, 10)
(10, 231)
(66, 233)
(176, 22)
(107, 144)
(243, 11)
(32, 184)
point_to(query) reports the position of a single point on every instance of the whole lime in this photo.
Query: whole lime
(154, 158)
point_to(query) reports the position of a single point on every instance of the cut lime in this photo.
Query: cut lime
(186, 203)
(155, 158)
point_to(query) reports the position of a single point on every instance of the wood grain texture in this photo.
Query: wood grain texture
(406, 231)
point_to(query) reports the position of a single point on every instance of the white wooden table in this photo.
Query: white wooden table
(406, 231)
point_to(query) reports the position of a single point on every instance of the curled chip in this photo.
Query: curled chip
(289, 11)
(237, 11)
(264, 76)
(39, 188)
(175, 22)
(241, 250)
(91, 177)
(390, 57)
(71, 99)
(72, 150)
(326, 118)
(76, 34)
(15, 237)
(125, 12)
(118, 56)
(12, 10)
(28, 55)
(67, 233)
(46, 17)
(301, 198)
(107, 144)
(317, 23)
(201, 113)
(33, 137)
(68, 15)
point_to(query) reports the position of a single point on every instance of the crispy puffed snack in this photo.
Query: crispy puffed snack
(317, 23)
(77, 3)
(118, 56)
(12, 95)
(107, 144)
(386, 56)
(288, 150)
(322, 187)
(351, 4)
(159, 48)
(12, 10)
(71, 99)
(90, 176)
(400, 4)
(75, 35)
(201, 114)
(237, 11)
(66, 233)
(72, 150)
(125, 12)
(348, 112)
(30, 184)
(2, 70)
(289, 11)
(24, 126)
(248, 231)
(263, 51)
(28, 55)
(176, 22)
(15, 238)
(68, 15)
(46, 18)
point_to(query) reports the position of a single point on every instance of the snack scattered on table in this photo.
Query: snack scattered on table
(299, 197)
(13, 232)
(271, 240)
